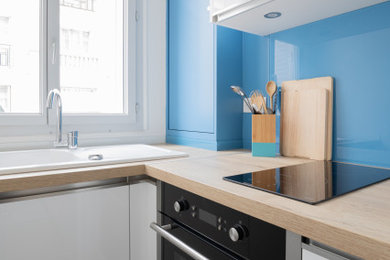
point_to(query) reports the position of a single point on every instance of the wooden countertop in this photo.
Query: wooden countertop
(357, 223)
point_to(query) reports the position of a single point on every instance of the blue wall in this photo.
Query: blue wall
(255, 74)
(190, 61)
(354, 48)
(228, 72)
(203, 61)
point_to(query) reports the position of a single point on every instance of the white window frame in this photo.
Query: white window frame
(37, 123)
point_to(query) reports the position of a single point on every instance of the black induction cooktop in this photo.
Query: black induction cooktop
(312, 182)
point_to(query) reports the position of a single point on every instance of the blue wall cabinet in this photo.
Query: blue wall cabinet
(203, 61)
(253, 16)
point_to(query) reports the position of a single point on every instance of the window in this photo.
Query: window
(85, 48)
(5, 99)
(4, 21)
(4, 55)
(88, 5)
(91, 55)
(20, 56)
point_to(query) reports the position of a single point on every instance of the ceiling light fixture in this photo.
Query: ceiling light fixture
(272, 15)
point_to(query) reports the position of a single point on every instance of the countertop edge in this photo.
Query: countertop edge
(358, 245)
(43, 179)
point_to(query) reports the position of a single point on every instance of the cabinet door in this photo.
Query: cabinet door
(307, 255)
(190, 66)
(313, 252)
(143, 204)
(82, 225)
(219, 5)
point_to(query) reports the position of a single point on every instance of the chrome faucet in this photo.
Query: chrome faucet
(56, 94)
(72, 141)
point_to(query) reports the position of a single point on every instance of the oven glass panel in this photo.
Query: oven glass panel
(171, 252)
(179, 256)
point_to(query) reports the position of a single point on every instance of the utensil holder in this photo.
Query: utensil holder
(264, 135)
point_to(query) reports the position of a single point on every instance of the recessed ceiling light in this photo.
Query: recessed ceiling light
(272, 15)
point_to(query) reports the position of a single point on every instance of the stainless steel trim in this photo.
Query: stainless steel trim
(74, 187)
(293, 246)
(54, 51)
(159, 218)
(140, 179)
(56, 190)
(95, 157)
(233, 234)
(177, 206)
(162, 231)
(73, 139)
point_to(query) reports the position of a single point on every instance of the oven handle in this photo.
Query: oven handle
(162, 231)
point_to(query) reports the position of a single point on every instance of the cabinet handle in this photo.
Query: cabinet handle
(162, 231)
(54, 52)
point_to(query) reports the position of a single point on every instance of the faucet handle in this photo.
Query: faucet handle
(73, 139)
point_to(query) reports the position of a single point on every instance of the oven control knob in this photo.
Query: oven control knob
(180, 205)
(237, 232)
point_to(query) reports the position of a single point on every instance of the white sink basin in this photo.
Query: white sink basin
(49, 159)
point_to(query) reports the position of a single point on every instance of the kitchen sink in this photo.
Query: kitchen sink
(50, 159)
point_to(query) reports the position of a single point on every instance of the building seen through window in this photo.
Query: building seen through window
(4, 55)
(19, 56)
(5, 99)
(91, 56)
(79, 4)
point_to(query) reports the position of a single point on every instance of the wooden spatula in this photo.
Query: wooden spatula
(271, 90)
(261, 102)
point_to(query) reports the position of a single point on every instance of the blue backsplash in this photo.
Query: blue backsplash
(353, 48)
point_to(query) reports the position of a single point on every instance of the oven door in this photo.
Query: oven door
(178, 242)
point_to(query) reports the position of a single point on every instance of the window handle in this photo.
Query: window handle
(54, 51)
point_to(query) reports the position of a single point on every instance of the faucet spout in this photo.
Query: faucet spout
(55, 94)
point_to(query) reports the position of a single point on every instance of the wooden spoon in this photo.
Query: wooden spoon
(253, 97)
(271, 90)
(261, 103)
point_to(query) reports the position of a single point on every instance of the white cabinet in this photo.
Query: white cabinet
(220, 6)
(317, 251)
(248, 15)
(307, 255)
(143, 204)
(88, 224)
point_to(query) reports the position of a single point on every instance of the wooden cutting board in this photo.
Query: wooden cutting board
(306, 118)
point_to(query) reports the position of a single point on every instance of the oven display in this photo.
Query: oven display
(208, 217)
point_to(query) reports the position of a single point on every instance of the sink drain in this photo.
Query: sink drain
(95, 157)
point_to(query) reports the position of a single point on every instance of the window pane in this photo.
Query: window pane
(19, 56)
(91, 56)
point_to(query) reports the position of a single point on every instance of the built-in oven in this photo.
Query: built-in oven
(192, 227)
(181, 243)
